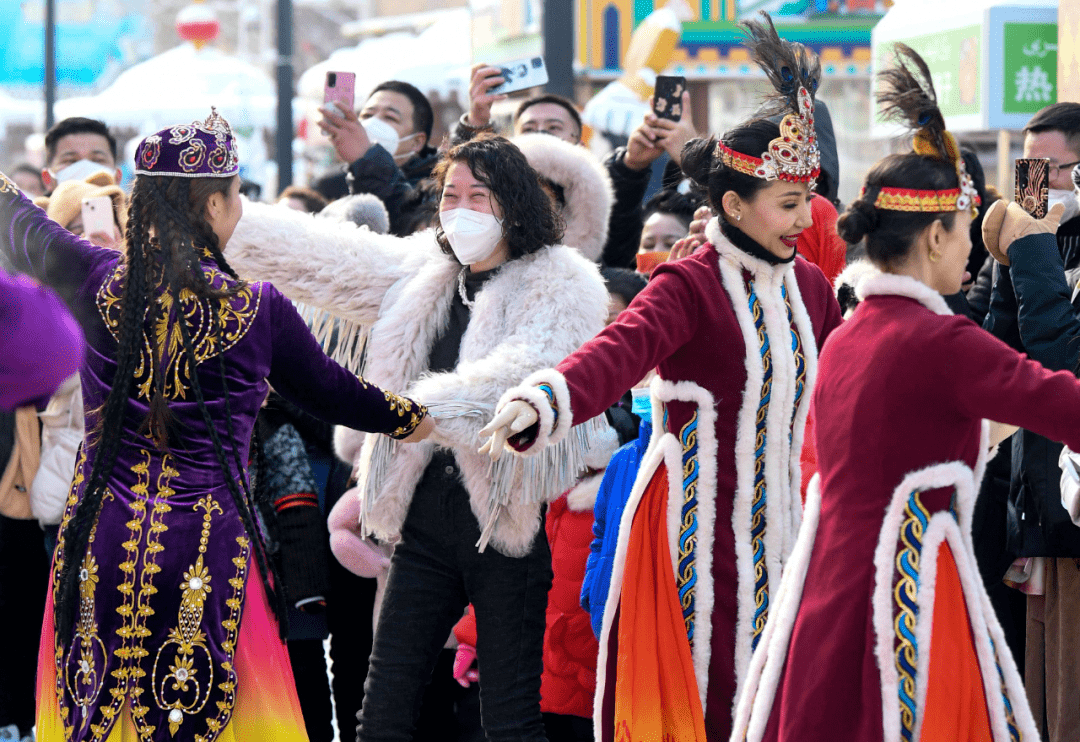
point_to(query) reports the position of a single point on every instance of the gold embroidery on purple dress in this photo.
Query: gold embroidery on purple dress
(86, 681)
(185, 688)
(235, 315)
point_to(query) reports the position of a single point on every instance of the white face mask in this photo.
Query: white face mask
(80, 170)
(1062, 196)
(473, 235)
(382, 133)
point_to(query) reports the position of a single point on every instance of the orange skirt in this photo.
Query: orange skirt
(955, 709)
(656, 693)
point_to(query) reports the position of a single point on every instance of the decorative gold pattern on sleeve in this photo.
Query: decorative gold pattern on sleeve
(6, 186)
(405, 408)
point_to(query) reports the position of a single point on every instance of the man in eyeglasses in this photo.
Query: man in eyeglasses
(1054, 133)
(1030, 310)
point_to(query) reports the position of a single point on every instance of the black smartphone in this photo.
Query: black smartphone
(1032, 185)
(667, 96)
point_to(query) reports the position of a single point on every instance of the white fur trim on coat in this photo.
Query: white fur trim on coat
(753, 705)
(782, 466)
(664, 391)
(550, 431)
(984, 623)
(586, 187)
(855, 273)
(531, 314)
(892, 284)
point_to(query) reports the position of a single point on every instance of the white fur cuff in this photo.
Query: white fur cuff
(552, 429)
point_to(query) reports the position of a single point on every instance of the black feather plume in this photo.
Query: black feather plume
(906, 95)
(788, 65)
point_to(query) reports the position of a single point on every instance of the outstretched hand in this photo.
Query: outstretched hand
(509, 421)
(1005, 223)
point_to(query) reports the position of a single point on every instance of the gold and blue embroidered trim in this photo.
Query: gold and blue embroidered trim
(800, 361)
(550, 394)
(686, 578)
(1010, 717)
(906, 605)
(760, 498)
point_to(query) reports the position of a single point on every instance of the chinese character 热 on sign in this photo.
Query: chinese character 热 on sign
(1030, 67)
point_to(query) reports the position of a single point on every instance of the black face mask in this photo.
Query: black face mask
(750, 246)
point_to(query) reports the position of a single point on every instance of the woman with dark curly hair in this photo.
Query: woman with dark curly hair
(454, 315)
(163, 600)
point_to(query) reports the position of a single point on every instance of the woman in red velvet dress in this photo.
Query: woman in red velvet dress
(882, 630)
(733, 330)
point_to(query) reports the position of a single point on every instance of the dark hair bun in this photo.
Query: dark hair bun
(859, 220)
(697, 160)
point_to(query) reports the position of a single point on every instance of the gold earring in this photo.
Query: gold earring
(934, 256)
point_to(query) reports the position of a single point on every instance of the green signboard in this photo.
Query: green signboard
(1030, 67)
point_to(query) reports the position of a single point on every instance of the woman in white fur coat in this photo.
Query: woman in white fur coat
(455, 316)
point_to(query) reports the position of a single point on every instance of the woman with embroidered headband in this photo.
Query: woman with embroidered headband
(163, 609)
(883, 630)
(734, 329)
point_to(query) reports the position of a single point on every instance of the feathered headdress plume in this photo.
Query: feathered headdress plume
(789, 65)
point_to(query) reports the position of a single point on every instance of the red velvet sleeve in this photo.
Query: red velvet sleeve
(984, 377)
(658, 321)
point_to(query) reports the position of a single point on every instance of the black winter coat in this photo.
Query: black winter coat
(1031, 309)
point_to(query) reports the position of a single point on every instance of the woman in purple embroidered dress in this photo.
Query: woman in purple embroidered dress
(162, 623)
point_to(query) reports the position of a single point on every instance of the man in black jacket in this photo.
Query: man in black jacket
(387, 147)
(1032, 310)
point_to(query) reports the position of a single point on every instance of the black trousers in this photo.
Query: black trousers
(435, 572)
(24, 583)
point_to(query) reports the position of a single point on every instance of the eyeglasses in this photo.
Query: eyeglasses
(1066, 168)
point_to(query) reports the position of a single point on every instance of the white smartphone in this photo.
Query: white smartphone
(97, 216)
(521, 74)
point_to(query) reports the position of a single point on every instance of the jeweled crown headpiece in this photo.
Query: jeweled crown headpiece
(205, 149)
(794, 71)
(908, 98)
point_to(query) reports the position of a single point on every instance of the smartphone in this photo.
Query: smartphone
(522, 74)
(340, 88)
(97, 216)
(667, 96)
(1032, 185)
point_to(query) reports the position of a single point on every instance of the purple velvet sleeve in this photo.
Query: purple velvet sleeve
(305, 376)
(36, 245)
(40, 342)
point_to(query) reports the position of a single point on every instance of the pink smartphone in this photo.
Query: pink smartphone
(97, 216)
(340, 88)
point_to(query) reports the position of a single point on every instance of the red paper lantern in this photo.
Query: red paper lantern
(198, 24)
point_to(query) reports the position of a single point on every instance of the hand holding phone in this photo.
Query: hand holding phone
(97, 216)
(521, 74)
(340, 88)
(1032, 185)
(667, 97)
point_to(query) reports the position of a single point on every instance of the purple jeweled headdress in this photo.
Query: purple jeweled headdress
(204, 149)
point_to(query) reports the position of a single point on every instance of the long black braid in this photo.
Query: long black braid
(76, 534)
(173, 262)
